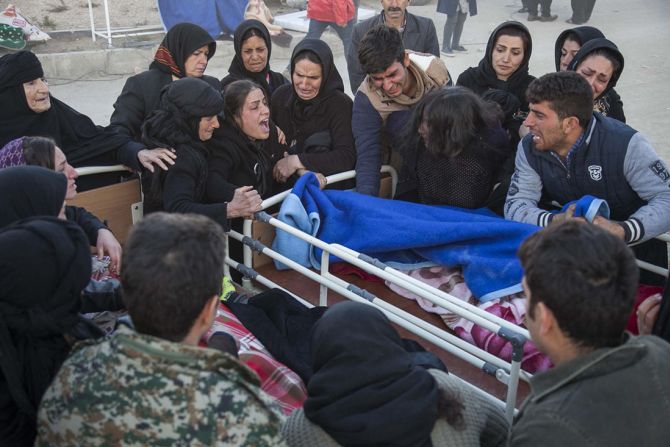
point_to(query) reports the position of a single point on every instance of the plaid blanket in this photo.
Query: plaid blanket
(277, 380)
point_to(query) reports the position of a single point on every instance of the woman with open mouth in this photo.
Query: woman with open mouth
(315, 114)
(252, 58)
(185, 120)
(245, 149)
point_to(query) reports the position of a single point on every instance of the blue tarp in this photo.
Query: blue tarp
(216, 16)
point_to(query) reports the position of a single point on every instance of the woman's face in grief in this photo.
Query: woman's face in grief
(307, 77)
(598, 71)
(254, 118)
(37, 95)
(196, 64)
(568, 51)
(507, 56)
(254, 54)
(61, 165)
(207, 126)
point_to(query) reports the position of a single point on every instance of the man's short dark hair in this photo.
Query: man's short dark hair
(586, 276)
(172, 266)
(380, 48)
(567, 93)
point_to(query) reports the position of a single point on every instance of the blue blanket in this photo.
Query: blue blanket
(215, 16)
(406, 235)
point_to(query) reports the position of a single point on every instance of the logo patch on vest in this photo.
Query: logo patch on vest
(596, 172)
(658, 168)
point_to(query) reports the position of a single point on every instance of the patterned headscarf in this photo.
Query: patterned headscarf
(12, 154)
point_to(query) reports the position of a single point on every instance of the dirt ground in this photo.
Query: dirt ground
(68, 21)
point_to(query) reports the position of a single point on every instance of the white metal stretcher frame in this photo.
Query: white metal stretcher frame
(509, 373)
(122, 32)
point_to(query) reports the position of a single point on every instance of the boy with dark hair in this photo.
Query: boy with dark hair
(154, 385)
(396, 81)
(606, 388)
(571, 152)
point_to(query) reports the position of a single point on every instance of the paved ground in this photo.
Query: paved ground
(641, 32)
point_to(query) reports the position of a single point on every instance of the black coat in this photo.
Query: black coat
(419, 36)
(87, 221)
(236, 161)
(139, 97)
(482, 79)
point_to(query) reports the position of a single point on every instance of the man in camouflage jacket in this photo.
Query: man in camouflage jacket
(153, 385)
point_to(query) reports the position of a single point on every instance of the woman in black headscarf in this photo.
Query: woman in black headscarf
(570, 41)
(315, 115)
(600, 62)
(185, 120)
(253, 48)
(184, 52)
(29, 109)
(44, 265)
(367, 390)
(504, 68)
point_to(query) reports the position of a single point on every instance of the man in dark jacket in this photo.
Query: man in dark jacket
(571, 152)
(396, 81)
(418, 34)
(606, 388)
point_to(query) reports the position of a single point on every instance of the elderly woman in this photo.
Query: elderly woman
(600, 62)
(252, 58)
(504, 68)
(460, 147)
(29, 109)
(185, 120)
(184, 52)
(315, 115)
(45, 263)
(40, 151)
(368, 390)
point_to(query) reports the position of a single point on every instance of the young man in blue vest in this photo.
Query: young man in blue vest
(571, 152)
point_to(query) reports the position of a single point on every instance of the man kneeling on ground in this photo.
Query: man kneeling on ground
(154, 385)
(606, 388)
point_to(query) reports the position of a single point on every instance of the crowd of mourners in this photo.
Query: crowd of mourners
(208, 153)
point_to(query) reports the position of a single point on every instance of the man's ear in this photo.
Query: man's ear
(570, 124)
(545, 319)
(405, 60)
(208, 313)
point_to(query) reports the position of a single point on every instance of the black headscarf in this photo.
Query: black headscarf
(595, 44)
(583, 35)
(44, 265)
(177, 45)
(175, 124)
(518, 80)
(237, 71)
(365, 389)
(302, 110)
(29, 191)
(80, 139)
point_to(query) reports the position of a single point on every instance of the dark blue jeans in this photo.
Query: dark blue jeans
(316, 28)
